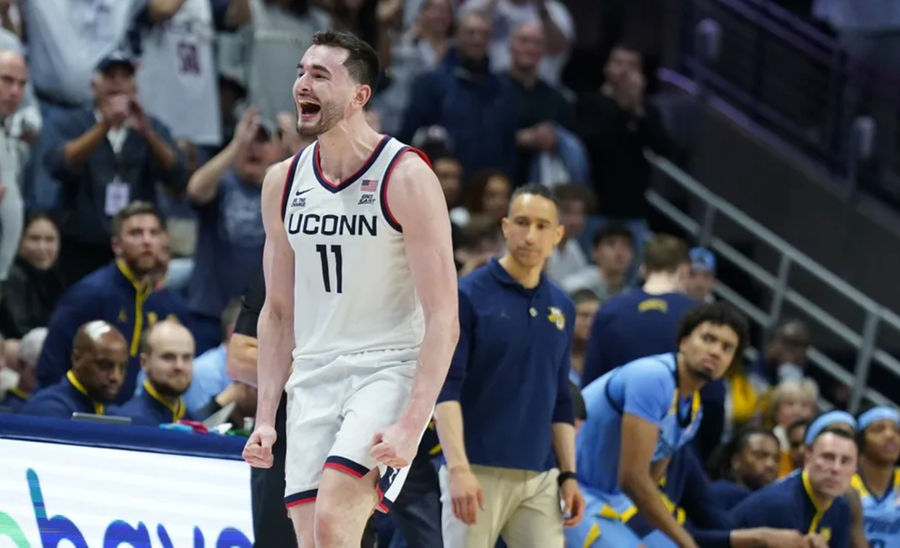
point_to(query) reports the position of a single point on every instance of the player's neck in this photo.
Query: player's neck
(345, 148)
(660, 283)
(688, 383)
(528, 276)
(878, 477)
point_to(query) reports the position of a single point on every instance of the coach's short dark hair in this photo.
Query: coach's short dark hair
(535, 189)
(135, 208)
(718, 313)
(665, 253)
(362, 61)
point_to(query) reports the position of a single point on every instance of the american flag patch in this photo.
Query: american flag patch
(369, 185)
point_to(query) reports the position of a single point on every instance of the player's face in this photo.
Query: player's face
(757, 464)
(883, 441)
(830, 463)
(170, 364)
(323, 90)
(531, 230)
(709, 350)
(138, 243)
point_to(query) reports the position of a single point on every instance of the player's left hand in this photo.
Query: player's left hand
(573, 502)
(396, 445)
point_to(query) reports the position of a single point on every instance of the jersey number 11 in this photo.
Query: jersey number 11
(338, 267)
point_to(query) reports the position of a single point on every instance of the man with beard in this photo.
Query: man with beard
(98, 360)
(121, 293)
(167, 359)
(754, 456)
(362, 344)
(639, 414)
(878, 479)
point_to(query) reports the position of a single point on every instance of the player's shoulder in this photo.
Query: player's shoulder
(409, 162)
(656, 367)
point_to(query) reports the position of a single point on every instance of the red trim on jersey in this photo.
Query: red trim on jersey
(342, 468)
(298, 502)
(387, 177)
(320, 175)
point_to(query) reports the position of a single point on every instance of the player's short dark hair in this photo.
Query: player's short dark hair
(613, 230)
(535, 189)
(665, 253)
(362, 61)
(135, 208)
(839, 432)
(743, 437)
(718, 313)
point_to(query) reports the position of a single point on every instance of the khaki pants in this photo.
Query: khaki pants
(522, 506)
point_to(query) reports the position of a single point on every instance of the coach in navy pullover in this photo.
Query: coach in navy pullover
(509, 375)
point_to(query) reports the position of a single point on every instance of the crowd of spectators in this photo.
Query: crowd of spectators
(134, 137)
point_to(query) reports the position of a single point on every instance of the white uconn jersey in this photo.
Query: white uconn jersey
(353, 291)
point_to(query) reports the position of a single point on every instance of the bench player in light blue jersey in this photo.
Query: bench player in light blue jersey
(878, 480)
(638, 415)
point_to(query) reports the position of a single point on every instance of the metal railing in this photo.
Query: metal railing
(797, 81)
(790, 259)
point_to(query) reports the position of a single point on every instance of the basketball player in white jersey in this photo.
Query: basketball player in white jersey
(360, 318)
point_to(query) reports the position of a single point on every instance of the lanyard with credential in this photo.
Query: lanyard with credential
(98, 407)
(177, 410)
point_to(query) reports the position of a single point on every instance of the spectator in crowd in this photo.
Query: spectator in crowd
(470, 101)
(480, 241)
(227, 194)
(641, 413)
(575, 202)
(26, 369)
(809, 500)
(209, 378)
(120, 293)
(586, 306)
(273, 34)
(796, 436)
(644, 321)
(617, 123)
(785, 355)
(702, 276)
(98, 361)
(449, 173)
(548, 153)
(497, 481)
(34, 284)
(753, 457)
(106, 157)
(179, 52)
(508, 15)
(746, 398)
(878, 479)
(408, 53)
(66, 41)
(793, 400)
(13, 77)
(486, 192)
(613, 254)
(167, 357)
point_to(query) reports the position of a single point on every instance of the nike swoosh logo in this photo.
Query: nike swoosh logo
(302, 192)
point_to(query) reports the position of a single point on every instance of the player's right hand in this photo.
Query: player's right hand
(258, 450)
(465, 494)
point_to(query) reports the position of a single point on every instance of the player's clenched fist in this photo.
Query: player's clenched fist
(258, 450)
(396, 445)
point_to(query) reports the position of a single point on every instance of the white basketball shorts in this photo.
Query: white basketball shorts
(334, 409)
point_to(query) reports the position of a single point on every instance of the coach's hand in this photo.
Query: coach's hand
(573, 501)
(466, 494)
(396, 445)
(258, 450)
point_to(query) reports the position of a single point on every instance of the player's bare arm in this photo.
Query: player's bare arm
(276, 320)
(639, 438)
(417, 203)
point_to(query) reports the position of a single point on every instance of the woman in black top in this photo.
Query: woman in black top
(34, 285)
